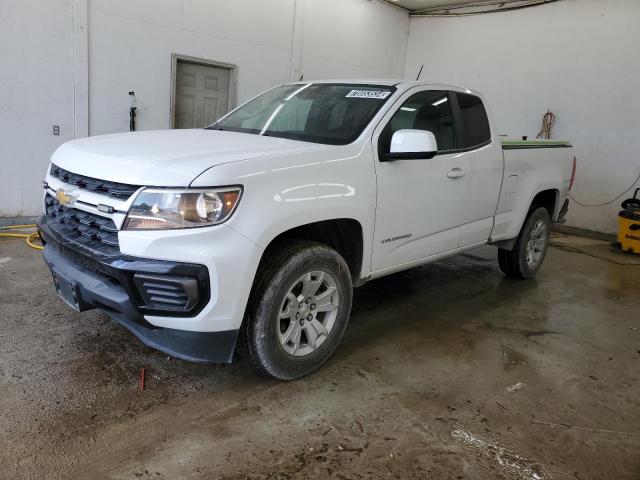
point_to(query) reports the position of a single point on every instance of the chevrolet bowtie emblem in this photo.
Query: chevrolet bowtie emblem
(65, 199)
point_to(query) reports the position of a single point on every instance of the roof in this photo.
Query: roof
(383, 82)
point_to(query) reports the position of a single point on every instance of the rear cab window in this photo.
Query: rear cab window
(471, 121)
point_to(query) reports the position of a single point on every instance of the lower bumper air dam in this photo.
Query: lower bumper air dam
(86, 288)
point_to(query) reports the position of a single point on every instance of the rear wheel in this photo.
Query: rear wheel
(299, 310)
(528, 253)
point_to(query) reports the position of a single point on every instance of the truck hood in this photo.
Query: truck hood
(171, 158)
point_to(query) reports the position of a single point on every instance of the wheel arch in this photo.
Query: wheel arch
(345, 235)
(547, 199)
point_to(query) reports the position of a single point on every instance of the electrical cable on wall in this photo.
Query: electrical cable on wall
(610, 201)
(132, 112)
(548, 121)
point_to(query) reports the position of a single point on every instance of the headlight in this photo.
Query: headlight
(155, 209)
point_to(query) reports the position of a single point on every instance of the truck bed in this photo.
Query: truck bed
(530, 166)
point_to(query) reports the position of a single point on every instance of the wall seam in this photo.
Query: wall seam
(80, 52)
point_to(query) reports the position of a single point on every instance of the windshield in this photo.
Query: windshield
(329, 113)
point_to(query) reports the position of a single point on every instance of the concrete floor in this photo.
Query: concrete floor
(420, 387)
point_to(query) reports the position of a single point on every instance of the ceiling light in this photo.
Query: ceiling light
(439, 102)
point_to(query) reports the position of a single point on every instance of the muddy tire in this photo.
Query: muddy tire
(528, 253)
(298, 310)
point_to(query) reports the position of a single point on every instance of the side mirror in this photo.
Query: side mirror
(411, 144)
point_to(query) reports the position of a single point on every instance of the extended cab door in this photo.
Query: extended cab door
(483, 162)
(419, 207)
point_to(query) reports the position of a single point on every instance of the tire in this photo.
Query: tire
(530, 249)
(279, 314)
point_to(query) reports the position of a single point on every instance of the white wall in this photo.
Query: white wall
(129, 48)
(578, 58)
(353, 39)
(131, 43)
(36, 92)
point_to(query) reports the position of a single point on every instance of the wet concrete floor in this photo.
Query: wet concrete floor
(446, 371)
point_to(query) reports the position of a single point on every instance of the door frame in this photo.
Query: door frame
(233, 81)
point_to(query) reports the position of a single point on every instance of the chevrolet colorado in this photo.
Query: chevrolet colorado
(252, 232)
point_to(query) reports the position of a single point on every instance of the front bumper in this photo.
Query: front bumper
(113, 285)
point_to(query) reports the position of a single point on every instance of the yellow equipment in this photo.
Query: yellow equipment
(629, 225)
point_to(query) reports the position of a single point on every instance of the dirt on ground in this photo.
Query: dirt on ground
(447, 371)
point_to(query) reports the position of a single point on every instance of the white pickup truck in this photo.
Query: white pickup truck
(251, 233)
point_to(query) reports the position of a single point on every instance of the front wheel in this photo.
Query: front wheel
(527, 256)
(299, 310)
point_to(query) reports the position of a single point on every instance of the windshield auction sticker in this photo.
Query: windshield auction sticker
(376, 94)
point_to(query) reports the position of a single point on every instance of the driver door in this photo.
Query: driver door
(419, 205)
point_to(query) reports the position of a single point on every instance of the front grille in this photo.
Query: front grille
(91, 231)
(167, 292)
(121, 191)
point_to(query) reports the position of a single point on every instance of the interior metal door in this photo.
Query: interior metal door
(202, 94)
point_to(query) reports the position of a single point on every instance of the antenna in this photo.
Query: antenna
(420, 72)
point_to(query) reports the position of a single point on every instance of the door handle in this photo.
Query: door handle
(456, 173)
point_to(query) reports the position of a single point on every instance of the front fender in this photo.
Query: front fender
(282, 193)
